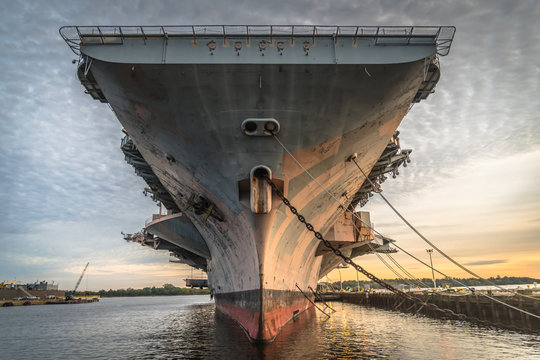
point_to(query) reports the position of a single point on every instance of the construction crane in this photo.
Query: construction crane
(70, 296)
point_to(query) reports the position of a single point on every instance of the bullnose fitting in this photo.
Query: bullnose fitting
(260, 190)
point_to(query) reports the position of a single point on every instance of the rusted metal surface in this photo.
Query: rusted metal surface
(265, 36)
(186, 120)
(260, 251)
(348, 232)
(179, 230)
(260, 191)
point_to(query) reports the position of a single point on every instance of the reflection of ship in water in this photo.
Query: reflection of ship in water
(197, 331)
(211, 112)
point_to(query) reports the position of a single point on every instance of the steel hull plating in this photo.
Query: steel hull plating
(192, 115)
(262, 322)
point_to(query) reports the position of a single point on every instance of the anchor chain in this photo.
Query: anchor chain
(445, 312)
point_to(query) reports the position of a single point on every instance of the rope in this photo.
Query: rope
(349, 261)
(330, 283)
(339, 202)
(425, 239)
(416, 280)
(407, 273)
(469, 288)
(329, 193)
(311, 176)
(320, 298)
(298, 287)
(388, 265)
(369, 225)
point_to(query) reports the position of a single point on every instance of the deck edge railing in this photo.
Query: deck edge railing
(441, 36)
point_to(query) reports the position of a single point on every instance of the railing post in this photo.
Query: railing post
(101, 35)
(121, 34)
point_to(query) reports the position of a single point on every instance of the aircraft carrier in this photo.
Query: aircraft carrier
(212, 113)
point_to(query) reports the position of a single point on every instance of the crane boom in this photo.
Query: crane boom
(80, 278)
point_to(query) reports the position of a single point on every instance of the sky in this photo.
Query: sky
(472, 187)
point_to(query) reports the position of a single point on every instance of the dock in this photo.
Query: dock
(478, 308)
(25, 302)
(22, 297)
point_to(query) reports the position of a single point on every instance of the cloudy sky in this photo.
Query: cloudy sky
(472, 187)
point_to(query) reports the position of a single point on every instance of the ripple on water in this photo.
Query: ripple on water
(188, 328)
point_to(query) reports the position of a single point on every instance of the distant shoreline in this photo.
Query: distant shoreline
(441, 282)
(165, 290)
(171, 290)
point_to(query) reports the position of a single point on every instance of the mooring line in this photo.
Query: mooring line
(369, 225)
(319, 297)
(348, 260)
(307, 297)
(462, 267)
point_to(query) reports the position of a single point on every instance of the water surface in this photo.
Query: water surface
(187, 327)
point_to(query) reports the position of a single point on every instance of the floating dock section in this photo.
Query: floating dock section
(24, 302)
(478, 308)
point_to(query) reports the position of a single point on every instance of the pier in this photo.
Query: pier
(25, 302)
(477, 308)
(22, 297)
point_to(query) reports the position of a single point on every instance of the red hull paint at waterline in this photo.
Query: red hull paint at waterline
(263, 322)
(207, 111)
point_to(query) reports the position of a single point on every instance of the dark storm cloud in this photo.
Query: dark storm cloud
(66, 189)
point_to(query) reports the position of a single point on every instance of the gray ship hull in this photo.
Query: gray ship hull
(186, 120)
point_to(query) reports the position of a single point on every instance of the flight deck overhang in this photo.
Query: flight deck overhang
(179, 230)
(258, 44)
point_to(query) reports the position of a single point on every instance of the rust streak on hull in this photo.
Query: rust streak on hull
(185, 109)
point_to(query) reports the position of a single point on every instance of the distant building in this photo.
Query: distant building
(41, 285)
(403, 287)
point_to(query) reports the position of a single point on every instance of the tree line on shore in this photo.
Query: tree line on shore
(169, 289)
(166, 289)
(498, 280)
